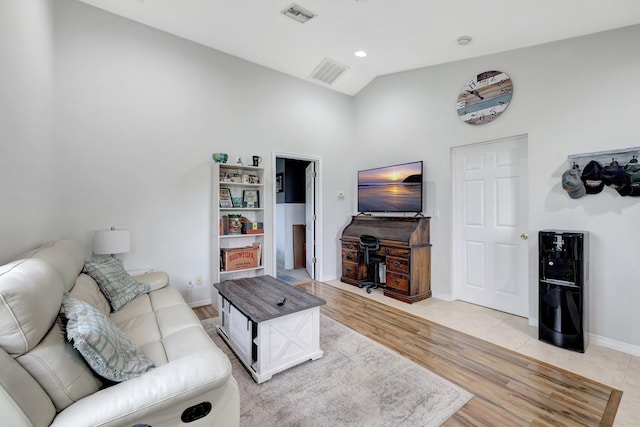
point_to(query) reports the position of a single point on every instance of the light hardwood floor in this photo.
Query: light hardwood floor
(510, 389)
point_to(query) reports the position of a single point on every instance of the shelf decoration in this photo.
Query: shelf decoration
(225, 198)
(251, 198)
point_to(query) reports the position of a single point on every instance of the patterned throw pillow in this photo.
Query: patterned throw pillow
(109, 353)
(115, 283)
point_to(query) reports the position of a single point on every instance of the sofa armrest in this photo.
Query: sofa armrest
(204, 375)
(155, 279)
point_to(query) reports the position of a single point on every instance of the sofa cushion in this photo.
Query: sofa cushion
(165, 297)
(87, 290)
(141, 329)
(30, 297)
(60, 369)
(185, 342)
(115, 283)
(22, 401)
(75, 249)
(155, 279)
(109, 353)
(175, 318)
(65, 256)
(156, 352)
(138, 307)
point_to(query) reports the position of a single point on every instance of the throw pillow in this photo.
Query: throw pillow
(105, 348)
(114, 282)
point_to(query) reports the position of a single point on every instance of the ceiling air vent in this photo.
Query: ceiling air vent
(298, 13)
(328, 71)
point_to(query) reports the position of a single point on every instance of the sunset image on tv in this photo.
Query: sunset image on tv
(391, 189)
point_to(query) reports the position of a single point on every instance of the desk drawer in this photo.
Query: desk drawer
(348, 255)
(350, 246)
(402, 253)
(350, 270)
(397, 282)
(400, 265)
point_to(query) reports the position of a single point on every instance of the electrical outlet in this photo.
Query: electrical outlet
(198, 280)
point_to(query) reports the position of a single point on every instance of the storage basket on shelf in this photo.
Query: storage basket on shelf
(241, 258)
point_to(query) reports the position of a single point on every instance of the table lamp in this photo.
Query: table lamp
(111, 242)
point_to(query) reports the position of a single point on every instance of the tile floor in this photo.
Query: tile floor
(611, 367)
(298, 275)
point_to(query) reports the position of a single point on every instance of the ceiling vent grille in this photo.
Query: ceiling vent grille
(298, 13)
(328, 71)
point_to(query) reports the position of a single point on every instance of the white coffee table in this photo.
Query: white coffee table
(267, 337)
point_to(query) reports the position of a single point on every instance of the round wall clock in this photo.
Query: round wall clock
(485, 97)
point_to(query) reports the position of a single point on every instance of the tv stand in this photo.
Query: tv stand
(404, 242)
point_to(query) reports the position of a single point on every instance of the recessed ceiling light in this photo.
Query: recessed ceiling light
(360, 53)
(464, 40)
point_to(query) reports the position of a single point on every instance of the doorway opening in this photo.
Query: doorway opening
(296, 223)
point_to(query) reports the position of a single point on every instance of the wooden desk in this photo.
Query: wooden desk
(404, 242)
(266, 337)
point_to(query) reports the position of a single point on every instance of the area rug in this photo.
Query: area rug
(357, 382)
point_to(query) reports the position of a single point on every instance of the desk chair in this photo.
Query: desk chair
(371, 244)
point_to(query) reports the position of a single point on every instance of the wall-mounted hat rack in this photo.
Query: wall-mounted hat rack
(622, 156)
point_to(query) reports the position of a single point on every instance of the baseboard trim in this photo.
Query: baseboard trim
(442, 296)
(624, 347)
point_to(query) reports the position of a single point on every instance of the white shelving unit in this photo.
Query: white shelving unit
(221, 174)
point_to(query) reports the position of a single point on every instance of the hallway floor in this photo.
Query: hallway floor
(294, 277)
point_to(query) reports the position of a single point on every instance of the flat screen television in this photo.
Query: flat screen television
(396, 188)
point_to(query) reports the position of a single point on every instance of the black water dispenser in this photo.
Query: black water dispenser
(563, 286)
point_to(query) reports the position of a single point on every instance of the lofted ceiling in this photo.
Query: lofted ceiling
(397, 35)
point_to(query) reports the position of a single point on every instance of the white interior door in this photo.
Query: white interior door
(491, 204)
(310, 218)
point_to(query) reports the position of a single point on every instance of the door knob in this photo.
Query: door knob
(524, 236)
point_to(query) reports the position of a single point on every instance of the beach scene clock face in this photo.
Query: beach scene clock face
(485, 97)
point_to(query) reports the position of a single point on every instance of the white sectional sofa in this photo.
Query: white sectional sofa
(45, 381)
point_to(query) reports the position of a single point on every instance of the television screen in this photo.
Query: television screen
(395, 188)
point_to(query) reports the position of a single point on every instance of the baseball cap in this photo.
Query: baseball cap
(633, 170)
(616, 177)
(592, 177)
(572, 183)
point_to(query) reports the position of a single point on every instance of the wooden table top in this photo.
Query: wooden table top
(257, 297)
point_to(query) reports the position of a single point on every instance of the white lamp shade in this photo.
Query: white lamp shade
(111, 242)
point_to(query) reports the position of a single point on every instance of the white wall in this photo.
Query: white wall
(27, 156)
(574, 96)
(138, 113)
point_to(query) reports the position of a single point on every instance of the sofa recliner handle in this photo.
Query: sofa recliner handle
(195, 412)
